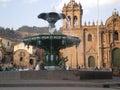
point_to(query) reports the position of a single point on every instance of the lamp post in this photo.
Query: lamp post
(71, 61)
(77, 55)
(98, 37)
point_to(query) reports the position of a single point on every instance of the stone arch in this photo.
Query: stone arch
(116, 57)
(91, 61)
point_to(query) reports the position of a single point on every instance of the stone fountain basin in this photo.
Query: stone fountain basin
(56, 41)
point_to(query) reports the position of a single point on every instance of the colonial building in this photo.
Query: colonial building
(100, 44)
(23, 56)
(26, 56)
(6, 50)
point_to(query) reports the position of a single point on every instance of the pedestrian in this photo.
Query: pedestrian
(119, 72)
(79, 67)
(96, 68)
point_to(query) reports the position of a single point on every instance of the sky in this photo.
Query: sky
(16, 13)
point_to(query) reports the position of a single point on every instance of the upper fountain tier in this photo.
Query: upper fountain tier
(52, 18)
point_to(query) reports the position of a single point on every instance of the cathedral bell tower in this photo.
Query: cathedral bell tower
(74, 12)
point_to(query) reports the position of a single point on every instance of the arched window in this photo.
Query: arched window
(75, 20)
(22, 55)
(115, 35)
(89, 37)
(69, 21)
(21, 59)
(31, 61)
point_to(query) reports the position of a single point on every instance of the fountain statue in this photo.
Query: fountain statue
(52, 43)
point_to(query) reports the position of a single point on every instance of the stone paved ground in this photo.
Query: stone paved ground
(115, 82)
(56, 88)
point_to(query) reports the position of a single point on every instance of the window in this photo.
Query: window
(75, 20)
(89, 37)
(21, 59)
(8, 43)
(115, 35)
(31, 61)
(69, 20)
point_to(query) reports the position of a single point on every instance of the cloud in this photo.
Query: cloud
(31, 1)
(57, 6)
(4, 1)
(27, 1)
(88, 3)
(93, 3)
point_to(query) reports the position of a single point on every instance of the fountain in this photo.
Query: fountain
(52, 43)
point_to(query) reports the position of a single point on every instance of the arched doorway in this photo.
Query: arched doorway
(116, 57)
(91, 61)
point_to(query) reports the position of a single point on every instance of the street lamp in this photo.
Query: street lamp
(77, 44)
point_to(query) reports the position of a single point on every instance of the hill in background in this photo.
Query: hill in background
(24, 31)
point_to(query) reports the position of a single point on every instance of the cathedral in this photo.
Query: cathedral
(100, 44)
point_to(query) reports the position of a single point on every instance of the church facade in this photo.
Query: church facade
(100, 44)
